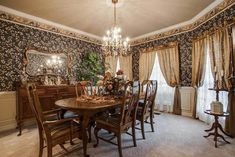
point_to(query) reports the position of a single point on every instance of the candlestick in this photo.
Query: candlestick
(216, 76)
(222, 73)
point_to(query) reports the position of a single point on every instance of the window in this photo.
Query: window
(165, 93)
(205, 96)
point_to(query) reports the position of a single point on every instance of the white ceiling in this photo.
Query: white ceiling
(136, 17)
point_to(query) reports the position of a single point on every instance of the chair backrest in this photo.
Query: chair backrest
(100, 89)
(130, 102)
(151, 100)
(84, 88)
(147, 95)
(35, 105)
(143, 85)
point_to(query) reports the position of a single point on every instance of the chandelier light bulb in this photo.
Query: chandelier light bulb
(49, 61)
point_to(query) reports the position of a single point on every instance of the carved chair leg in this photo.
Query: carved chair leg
(142, 129)
(133, 134)
(71, 134)
(151, 122)
(41, 144)
(119, 140)
(96, 130)
(49, 149)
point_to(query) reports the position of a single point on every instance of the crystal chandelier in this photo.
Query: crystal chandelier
(113, 44)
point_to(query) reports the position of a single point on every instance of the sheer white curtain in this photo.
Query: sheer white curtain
(165, 93)
(205, 96)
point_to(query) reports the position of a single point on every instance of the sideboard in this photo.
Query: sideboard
(47, 96)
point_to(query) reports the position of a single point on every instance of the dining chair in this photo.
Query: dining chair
(100, 89)
(142, 92)
(146, 109)
(84, 88)
(52, 132)
(120, 123)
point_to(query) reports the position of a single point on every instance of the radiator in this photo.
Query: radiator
(187, 100)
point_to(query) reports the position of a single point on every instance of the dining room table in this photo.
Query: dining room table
(88, 107)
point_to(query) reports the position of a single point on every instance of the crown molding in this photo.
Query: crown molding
(211, 11)
(11, 15)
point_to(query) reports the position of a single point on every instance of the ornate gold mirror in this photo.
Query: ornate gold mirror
(47, 68)
(39, 63)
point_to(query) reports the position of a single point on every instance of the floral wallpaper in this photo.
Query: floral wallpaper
(185, 45)
(15, 39)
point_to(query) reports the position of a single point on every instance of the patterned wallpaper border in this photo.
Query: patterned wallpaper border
(217, 10)
(45, 27)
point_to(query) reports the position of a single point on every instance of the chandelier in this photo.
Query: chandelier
(113, 44)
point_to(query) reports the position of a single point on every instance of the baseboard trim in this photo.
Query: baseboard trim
(7, 125)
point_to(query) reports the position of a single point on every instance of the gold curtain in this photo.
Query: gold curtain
(111, 63)
(219, 46)
(230, 120)
(219, 57)
(198, 66)
(169, 65)
(126, 65)
(146, 64)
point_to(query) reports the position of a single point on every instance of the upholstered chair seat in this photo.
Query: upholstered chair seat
(70, 114)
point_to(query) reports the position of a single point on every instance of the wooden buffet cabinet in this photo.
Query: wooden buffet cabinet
(47, 95)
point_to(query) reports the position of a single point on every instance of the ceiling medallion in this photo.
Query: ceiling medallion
(113, 43)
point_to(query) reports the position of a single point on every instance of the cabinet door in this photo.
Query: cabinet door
(26, 109)
(68, 92)
(48, 102)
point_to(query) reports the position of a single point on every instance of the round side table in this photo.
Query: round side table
(215, 126)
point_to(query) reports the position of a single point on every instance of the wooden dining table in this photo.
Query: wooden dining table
(87, 107)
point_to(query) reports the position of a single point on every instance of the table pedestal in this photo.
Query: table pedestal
(215, 126)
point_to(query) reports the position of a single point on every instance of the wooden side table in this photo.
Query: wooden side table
(215, 126)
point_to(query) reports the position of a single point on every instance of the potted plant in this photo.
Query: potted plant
(90, 68)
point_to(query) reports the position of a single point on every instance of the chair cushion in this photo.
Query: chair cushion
(70, 114)
(113, 120)
(141, 102)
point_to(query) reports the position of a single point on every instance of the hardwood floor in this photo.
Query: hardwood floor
(174, 136)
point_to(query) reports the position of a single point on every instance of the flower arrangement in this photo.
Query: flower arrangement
(107, 76)
(100, 83)
(120, 72)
